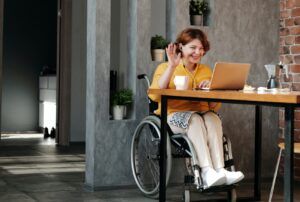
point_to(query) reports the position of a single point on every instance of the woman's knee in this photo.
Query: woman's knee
(211, 117)
(196, 126)
(196, 119)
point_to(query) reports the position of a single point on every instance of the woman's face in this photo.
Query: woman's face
(193, 51)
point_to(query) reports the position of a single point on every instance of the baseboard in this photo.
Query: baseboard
(77, 143)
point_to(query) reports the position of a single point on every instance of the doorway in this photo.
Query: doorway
(33, 49)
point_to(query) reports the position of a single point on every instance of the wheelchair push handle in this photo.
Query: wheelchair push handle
(144, 76)
(141, 76)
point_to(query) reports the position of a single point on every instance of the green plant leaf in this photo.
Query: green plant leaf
(198, 7)
(158, 42)
(123, 97)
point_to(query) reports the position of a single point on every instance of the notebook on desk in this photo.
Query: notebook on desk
(229, 76)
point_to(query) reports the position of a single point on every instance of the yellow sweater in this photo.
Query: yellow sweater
(202, 72)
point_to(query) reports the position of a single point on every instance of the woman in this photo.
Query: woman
(196, 119)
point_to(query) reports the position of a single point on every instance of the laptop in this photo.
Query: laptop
(229, 76)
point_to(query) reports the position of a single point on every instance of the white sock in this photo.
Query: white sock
(205, 169)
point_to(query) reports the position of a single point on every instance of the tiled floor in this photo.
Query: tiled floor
(34, 169)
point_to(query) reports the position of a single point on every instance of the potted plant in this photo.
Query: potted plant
(198, 9)
(158, 45)
(121, 99)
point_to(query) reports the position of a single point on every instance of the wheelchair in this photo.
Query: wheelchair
(145, 158)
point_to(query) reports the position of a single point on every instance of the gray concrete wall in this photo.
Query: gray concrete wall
(108, 141)
(158, 19)
(123, 44)
(115, 34)
(240, 31)
(78, 72)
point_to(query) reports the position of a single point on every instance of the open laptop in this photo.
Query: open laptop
(229, 76)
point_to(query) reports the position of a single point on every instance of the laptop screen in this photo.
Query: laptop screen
(229, 76)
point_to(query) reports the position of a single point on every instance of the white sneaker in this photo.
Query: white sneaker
(232, 177)
(213, 178)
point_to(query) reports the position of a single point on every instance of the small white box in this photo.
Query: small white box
(52, 82)
(41, 115)
(47, 95)
(43, 82)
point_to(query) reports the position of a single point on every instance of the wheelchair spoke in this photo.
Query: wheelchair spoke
(147, 146)
(154, 171)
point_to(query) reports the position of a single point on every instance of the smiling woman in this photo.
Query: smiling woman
(196, 119)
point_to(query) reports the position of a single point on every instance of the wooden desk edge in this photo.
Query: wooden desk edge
(285, 98)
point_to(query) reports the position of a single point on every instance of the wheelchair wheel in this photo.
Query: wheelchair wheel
(145, 156)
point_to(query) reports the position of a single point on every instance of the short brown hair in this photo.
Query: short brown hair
(189, 34)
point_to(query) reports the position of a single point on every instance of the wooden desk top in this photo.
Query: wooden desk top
(252, 96)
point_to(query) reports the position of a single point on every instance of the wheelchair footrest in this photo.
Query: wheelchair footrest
(220, 188)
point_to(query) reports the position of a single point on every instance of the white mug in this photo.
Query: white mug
(181, 82)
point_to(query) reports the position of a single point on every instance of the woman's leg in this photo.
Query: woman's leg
(197, 134)
(215, 144)
(214, 139)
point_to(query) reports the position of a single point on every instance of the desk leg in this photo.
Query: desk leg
(162, 151)
(289, 155)
(257, 162)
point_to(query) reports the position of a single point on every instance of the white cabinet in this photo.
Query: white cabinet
(47, 102)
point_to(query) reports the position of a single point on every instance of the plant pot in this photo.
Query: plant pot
(118, 112)
(196, 20)
(158, 55)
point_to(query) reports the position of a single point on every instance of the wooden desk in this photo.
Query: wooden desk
(287, 100)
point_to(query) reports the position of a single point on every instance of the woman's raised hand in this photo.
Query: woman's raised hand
(173, 57)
